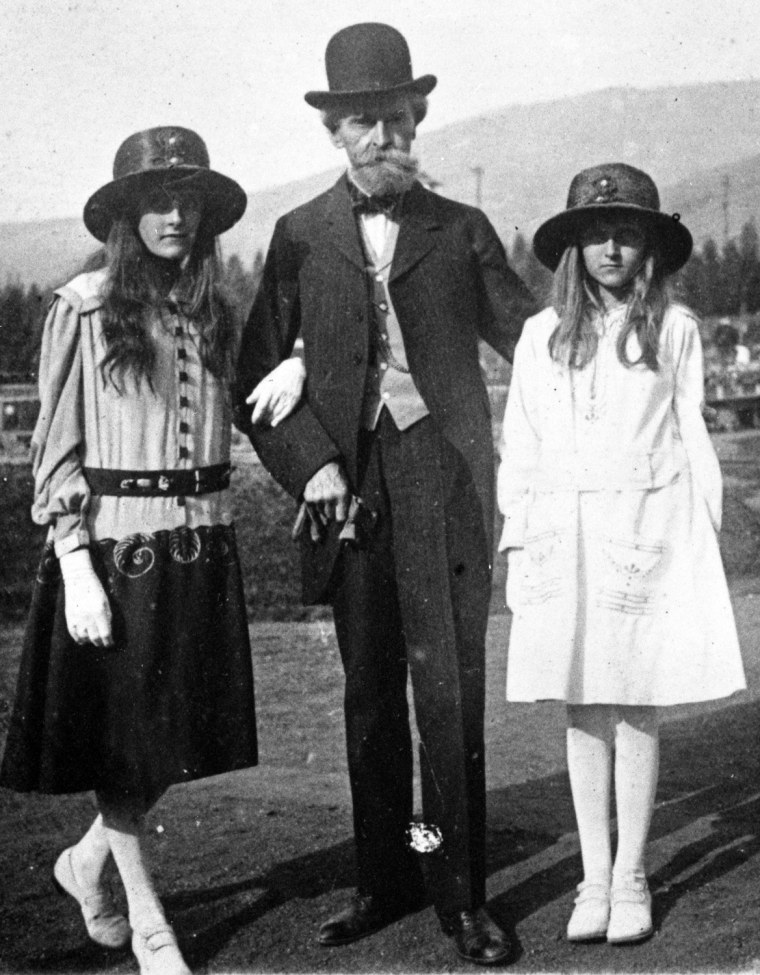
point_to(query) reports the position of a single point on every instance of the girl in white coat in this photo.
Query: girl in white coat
(611, 494)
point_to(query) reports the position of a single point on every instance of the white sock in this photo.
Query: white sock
(124, 828)
(637, 760)
(589, 762)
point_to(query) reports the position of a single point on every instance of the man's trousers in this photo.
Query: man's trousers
(413, 602)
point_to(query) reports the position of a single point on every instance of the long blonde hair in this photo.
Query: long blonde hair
(575, 298)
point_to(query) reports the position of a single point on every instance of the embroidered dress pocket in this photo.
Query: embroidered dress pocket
(630, 569)
(543, 566)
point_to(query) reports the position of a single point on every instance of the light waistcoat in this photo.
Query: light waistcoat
(389, 382)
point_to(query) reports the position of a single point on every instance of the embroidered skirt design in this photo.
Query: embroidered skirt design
(171, 701)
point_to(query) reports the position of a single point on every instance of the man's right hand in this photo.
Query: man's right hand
(328, 493)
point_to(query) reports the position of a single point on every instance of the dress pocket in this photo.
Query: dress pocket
(543, 574)
(630, 570)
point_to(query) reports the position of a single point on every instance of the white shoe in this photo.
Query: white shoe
(105, 925)
(591, 914)
(157, 952)
(631, 911)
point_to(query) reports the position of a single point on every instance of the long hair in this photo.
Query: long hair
(130, 294)
(576, 300)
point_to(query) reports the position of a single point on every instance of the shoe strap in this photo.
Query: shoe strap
(634, 893)
(591, 891)
(161, 938)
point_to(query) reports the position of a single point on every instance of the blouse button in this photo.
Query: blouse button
(183, 377)
(184, 427)
(184, 402)
(181, 353)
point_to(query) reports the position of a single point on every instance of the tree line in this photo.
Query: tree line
(716, 281)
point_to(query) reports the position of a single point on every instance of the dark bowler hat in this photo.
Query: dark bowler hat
(368, 59)
(165, 155)
(613, 188)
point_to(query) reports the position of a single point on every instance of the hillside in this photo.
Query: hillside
(688, 137)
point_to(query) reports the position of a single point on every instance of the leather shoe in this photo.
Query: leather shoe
(363, 917)
(478, 938)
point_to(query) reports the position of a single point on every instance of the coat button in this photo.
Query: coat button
(358, 358)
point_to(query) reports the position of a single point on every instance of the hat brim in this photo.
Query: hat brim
(674, 242)
(325, 99)
(224, 200)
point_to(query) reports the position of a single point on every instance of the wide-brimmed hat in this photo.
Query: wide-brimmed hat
(368, 60)
(613, 188)
(161, 156)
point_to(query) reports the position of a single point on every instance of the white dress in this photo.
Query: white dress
(611, 493)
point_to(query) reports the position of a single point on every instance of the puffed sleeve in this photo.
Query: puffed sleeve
(689, 397)
(61, 494)
(519, 447)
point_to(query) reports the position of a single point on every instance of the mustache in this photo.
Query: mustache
(383, 171)
(392, 159)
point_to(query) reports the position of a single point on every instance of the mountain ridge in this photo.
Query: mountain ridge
(690, 138)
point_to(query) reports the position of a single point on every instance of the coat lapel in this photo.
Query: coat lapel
(341, 227)
(417, 232)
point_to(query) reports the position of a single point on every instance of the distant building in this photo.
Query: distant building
(19, 406)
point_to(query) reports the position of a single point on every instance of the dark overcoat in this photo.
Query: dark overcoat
(450, 285)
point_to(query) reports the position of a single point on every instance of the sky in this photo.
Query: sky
(79, 76)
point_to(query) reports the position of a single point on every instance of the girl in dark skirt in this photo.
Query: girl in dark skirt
(136, 666)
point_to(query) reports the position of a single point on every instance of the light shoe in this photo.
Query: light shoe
(631, 911)
(104, 924)
(591, 914)
(157, 952)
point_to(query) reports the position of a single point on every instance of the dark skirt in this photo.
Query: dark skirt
(170, 702)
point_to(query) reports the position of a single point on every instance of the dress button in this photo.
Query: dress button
(378, 277)
(383, 306)
(383, 366)
(184, 402)
(386, 395)
(178, 332)
(183, 377)
(184, 427)
(181, 353)
(358, 358)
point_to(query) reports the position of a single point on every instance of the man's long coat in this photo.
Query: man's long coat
(450, 285)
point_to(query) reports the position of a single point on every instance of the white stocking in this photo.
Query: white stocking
(589, 762)
(89, 856)
(124, 825)
(637, 759)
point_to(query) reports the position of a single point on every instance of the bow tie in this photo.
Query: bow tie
(361, 203)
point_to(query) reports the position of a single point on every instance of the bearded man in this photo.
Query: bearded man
(390, 287)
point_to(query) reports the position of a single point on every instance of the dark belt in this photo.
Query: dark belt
(156, 484)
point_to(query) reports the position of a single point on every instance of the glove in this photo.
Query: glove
(88, 612)
(278, 393)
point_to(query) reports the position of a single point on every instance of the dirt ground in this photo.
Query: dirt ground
(249, 864)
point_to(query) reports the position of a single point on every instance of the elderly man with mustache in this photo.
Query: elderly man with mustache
(390, 453)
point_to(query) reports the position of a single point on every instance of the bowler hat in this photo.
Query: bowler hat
(161, 156)
(368, 59)
(613, 188)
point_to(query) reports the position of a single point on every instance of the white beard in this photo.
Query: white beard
(394, 173)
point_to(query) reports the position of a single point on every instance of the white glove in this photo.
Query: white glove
(88, 612)
(278, 393)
